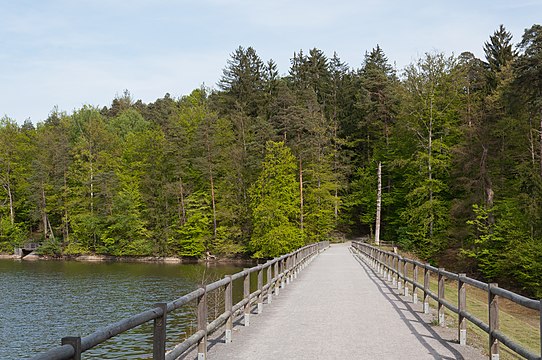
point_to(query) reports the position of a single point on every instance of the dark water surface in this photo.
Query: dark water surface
(43, 301)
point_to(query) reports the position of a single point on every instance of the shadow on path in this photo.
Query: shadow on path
(394, 298)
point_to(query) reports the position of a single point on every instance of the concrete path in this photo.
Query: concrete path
(338, 308)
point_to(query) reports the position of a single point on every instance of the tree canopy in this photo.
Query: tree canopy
(267, 163)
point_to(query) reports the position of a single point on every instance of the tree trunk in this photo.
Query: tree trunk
(11, 209)
(211, 180)
(301, 194)
(65, 230)
(378, 204)
(430, 168)
(181, 202)
(44, 219)
(540, 142)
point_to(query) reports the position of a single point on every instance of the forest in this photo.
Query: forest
(269, 162)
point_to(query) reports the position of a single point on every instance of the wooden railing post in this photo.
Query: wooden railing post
(228, 306)
(269, 284)
(493, 322)
(246, 296)
(405, 275)
(75, 342)
(202, 325)
(159, 334)
(297, 264)
(277, 280)
(440, 297)
(283, 271)
(426, 289)
(389, 267)
(289, 270)
(462, 307)
(399, 269)
(260, 288)
(394, 274)
(414, 280)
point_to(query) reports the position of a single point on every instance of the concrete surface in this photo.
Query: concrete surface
(338, 308)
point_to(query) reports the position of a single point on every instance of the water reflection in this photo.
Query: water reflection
(41, 302)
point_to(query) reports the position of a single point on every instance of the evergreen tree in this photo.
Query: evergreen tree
(274, 199)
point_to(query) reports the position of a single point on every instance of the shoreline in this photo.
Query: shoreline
(128, 259)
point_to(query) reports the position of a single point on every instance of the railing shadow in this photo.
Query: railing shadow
(393, 298)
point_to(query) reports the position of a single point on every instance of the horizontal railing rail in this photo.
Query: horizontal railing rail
(394, 268)
(279, 272)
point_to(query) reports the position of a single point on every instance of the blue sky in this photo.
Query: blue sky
(68, 53)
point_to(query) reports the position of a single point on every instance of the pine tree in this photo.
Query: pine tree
(274, 199)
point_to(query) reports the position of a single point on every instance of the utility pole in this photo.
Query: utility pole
(378, 204)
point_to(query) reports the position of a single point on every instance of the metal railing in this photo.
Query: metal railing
(279, 272)
(394, 268)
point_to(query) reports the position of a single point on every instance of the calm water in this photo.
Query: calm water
(43, 301)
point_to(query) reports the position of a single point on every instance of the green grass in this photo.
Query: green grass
(517, 322)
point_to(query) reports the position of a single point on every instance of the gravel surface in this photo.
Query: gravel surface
(338, 308)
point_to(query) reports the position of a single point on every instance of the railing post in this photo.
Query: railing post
(394, 274)
(277, 280)
(405, 274)
(399, 268)
(426, 289)
(389, 267)
(75, 342)
(288, 270)
(493, 322)
(202, 325)
(159, 334)
(440, 297)
(269, 285)
(283, 271)
(296, 265)
(228, 306)
(246, 296)
(260, 288)
(414, 280)
(462, 307)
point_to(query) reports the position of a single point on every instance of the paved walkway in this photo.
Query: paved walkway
(338, 309)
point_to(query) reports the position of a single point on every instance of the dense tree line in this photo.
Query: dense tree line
(267, 163)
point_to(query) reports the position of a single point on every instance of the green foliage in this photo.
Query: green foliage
(274, 199)
(487, 244)
(459, 140)
(11, 235)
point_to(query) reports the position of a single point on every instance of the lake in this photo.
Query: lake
(43, 301)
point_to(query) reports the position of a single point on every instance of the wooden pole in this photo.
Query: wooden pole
(440, 297)
(159, 334)
(378, 204)
(269, 285)
(405, 275)
(493, 302)
(202, 325)
(75, 342)
(246, 296)
(425, 290)
(228, 305)
(462, 306)
(415, 280)
(277, 280)
(260, 287)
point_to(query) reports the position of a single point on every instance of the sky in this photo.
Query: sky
(68, 53)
